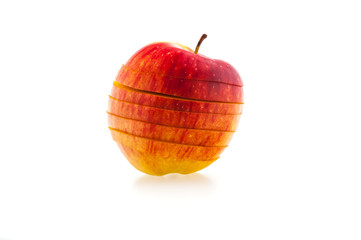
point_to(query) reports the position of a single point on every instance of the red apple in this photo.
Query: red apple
(174, 110)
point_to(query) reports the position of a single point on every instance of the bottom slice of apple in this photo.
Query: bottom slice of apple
(157, 165)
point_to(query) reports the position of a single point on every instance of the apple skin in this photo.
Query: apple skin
(127, 94)
(174, 134)
(166, 91)
(207, 121)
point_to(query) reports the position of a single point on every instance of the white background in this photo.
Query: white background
(292, 170)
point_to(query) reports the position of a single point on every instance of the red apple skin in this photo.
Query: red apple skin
(173, 134)
(178, 61)
(185, 88)
(173, 118)
(127, 94)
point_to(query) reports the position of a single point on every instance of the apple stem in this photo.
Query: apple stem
(204, 36)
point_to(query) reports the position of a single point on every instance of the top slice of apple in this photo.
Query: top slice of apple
(178, 61)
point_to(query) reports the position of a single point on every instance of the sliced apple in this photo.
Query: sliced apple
(169, 134)
(174, 110)
(185, 88)
(173, 118)
(155, 165)
(124, 93)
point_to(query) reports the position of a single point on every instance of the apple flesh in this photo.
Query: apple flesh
(172, 110)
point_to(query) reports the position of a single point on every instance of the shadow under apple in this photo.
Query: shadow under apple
(175, 185)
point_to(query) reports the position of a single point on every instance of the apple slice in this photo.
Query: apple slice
(185, 88)
(169, 134)
(132, 95)
(155, 165)
(166, 149)
(173, 118)
(178, 61)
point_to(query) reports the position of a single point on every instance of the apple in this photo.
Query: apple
(172, 110)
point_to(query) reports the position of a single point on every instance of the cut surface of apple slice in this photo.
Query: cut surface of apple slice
(155, 165)
(166, 150)
(185, 88)
(169, 134)
(124, 93)
(173, 118)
